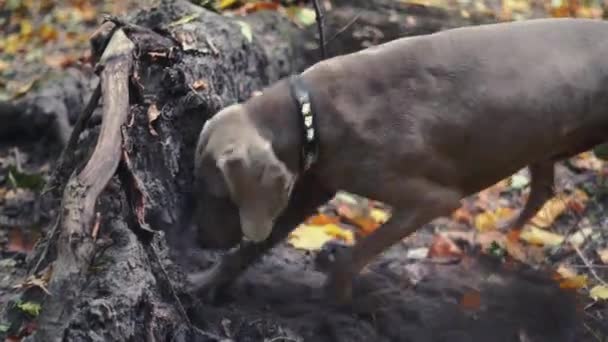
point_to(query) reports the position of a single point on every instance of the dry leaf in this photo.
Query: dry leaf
(603, 254)
(322, 219)
(312, 238)
(556, 206)
(569, 279)
(199, 84)
(599, 292)
(41, 280)
(153, 114)
(488, 220)
(471, 300)
(580, 236)
(443, 247)
(541, 237)
(462, 215)
(379, 215)
(574, 283)
(417, 253)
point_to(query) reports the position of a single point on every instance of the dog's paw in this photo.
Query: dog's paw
(209, 285)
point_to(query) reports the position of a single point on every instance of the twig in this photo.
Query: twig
(592, 332)
(321, 27)
(345, 27)
(96, 226)
(18, 163)
(588, 264)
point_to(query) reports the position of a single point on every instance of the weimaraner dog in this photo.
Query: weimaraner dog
(418, 123)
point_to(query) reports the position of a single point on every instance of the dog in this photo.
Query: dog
(418, 123)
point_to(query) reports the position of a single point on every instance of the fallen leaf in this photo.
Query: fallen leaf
(223, 4)
(18, 179)
(488, 220)
(30, 308)
(549, 212)
(574, 283)
(565, 271)
(569, 279)
(199, 84)
(519, 181)
(541, 237)
(322, 219)
(184, 20)
(599, 292)
(580, 236)
(603, 254)
(153, 114)
(312, 238)
(417, 253)
(4, 66)
(442, 247)
(41, 280)
(302, 16)
(252, 7)
(47, 33)
(25, 28)
(18, 242)
(379, 215)
(462, 215)
(60, 60)
(471, 300)
(24, 88)
(246, 30)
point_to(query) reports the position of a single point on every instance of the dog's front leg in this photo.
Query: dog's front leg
(432, 203)
(306, 197)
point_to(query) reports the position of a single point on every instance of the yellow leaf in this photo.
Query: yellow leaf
(10, 44)
(599, 292)
(541, 237)
(339, 233)
(549, 212)
(379, 215)
(26, 27)
(576, 282)
(487, 221)
(226, 3)
(310, 238)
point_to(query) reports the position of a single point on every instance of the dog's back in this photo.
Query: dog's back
(496, 96)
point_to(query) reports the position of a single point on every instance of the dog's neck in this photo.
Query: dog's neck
(278, 119)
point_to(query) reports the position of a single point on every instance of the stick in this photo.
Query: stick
(320, 26)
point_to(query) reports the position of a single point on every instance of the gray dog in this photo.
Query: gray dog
(418, 123)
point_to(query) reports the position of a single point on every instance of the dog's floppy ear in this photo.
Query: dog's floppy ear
(259, 183)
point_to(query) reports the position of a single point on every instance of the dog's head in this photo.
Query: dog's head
(242, 187)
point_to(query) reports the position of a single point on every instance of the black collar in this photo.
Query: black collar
(310, 138)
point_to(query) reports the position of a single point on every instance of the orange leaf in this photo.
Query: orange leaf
(444, 247)
(471, 300)
(257, 6)
(18, 241)
(321, 219)
(462, 215)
